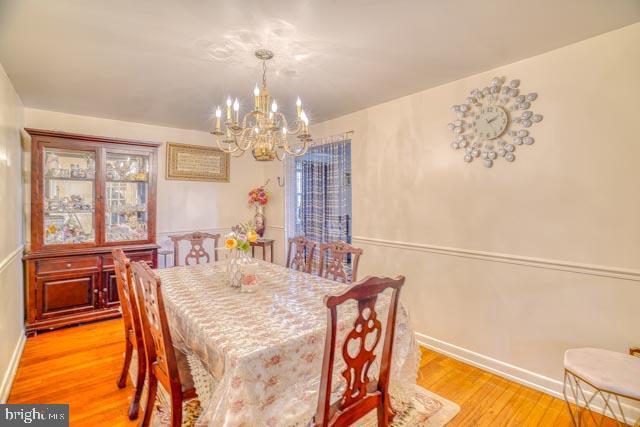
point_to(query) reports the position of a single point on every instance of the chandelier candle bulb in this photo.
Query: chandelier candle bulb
(228, 109)
(218, 115)
(298, 107)
(236, 108)
(256, 95)
(274, 106)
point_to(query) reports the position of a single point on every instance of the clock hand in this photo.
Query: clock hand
(489, 121)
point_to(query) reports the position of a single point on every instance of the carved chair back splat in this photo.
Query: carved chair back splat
(163, 361)
(197, 251)
(132, 328)
(361, 394)
(302, 258)
(334, 268)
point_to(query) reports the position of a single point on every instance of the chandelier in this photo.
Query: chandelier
(264, 130)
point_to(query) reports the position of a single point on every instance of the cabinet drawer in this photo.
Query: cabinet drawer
(61, 265)
(107, 260)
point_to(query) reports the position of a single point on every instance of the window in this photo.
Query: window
(319, 201)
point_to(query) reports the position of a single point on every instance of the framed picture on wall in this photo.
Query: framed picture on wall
(196, 163)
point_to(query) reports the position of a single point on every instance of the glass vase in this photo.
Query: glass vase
(259, 220)
(236, 258)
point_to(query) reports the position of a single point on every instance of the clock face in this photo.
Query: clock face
(490, 122)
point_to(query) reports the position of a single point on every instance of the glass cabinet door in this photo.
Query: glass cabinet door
(126, 198)
(69, 196)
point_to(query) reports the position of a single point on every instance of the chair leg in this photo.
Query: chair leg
(135, 402)
(385, 413)
(176, 412)
(575, 419)
(151, 400)
(128, 352)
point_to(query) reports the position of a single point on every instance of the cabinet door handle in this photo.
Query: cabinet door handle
(68, 265)
(104, 290)
(95, 291)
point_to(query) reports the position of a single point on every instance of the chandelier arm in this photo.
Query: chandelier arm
(280, 158)
(293, 152)
(235, 132)
(296, 130)
(245, 139)
(282, 122)
(279, 148)
(226, 150)
(305, 148)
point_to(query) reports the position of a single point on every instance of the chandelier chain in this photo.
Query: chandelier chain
(264, 73)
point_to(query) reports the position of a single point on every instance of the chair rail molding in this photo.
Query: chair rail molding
(546, 263)
(206, 230)
(11, 257)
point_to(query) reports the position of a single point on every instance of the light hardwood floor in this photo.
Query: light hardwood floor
(80, 366)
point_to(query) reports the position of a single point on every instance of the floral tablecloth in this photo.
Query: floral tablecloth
(264, 350)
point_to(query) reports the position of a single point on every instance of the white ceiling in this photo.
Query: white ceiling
(170, 62)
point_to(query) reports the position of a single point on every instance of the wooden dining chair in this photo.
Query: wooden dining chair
(167, 365)
(302, 258)
(361, 394)
(197, 251)
(132, 329)
(335, 254)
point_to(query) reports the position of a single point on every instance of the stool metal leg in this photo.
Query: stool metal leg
(576, 386)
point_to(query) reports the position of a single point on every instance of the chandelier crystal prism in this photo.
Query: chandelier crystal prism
(264, 130)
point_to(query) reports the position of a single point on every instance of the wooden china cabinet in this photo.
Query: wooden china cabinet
(89, 194)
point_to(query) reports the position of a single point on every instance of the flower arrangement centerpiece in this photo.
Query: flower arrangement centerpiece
(258, 198)
(238, 242)
(241, 237)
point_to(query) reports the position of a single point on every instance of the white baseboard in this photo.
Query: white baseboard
(486, 363)
(10, 374)
(513, 373)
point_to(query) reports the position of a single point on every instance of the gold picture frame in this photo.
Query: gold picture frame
(188, 162)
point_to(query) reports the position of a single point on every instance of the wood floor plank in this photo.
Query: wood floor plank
(476, 405)
(80, 365)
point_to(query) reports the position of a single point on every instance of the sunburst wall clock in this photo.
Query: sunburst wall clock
(493, 121)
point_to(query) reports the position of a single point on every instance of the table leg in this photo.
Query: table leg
(264, 253)
(253, 251)
(271, 246)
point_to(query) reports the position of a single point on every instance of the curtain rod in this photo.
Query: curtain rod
(332, 138)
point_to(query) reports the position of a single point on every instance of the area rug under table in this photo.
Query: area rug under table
(426, 409)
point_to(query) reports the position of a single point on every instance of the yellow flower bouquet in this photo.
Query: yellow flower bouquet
(241, 237)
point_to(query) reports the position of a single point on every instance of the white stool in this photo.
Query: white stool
(607, 374)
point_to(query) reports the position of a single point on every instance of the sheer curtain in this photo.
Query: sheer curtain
(319, 194)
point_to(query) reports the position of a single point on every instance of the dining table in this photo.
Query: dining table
(256, 358)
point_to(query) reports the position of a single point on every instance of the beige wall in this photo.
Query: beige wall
(11, 240)
(509, 266)
(182, 205)
(275, 209)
